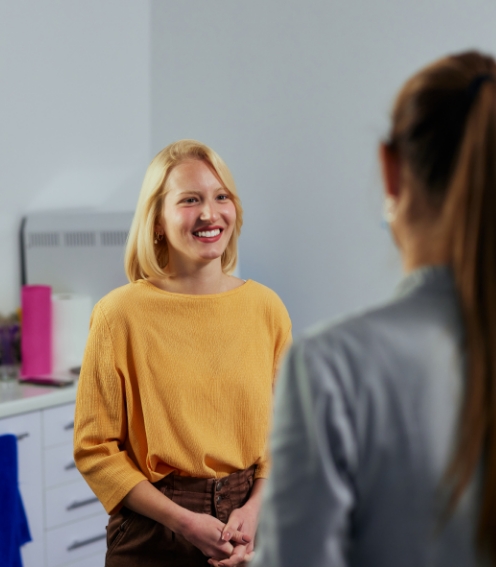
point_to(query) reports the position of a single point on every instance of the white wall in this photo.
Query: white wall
(74, 112)
(295, 96)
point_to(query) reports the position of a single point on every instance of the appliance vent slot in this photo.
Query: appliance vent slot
(114, 238)
(79, 239)
(36, 239)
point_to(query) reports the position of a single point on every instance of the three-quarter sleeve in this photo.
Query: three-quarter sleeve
(282, 343)
(309, 495)
(100, 426)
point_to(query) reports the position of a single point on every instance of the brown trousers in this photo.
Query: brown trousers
(134, 540)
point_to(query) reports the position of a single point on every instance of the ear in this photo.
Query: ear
(391, 171)
(158, 228)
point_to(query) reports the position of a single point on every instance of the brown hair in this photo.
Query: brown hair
(143, 259)
(444, 133)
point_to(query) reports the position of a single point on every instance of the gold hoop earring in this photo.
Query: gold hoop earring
(158, 238)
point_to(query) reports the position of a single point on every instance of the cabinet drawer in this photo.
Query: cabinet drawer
(33, 553)
(27, 429)
(73, 542)
(59, 466)
(97, 560)
(58, 425)
(70, 502)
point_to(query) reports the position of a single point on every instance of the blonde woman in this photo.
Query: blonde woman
(175, 392)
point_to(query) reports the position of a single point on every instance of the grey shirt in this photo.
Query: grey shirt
(365, 420)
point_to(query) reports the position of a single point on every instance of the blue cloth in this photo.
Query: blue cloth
(14, 529)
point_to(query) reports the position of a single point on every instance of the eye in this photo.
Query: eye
(190, 200)
(223, 197)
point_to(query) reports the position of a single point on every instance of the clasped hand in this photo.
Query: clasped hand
(227, 545)
(242, 522)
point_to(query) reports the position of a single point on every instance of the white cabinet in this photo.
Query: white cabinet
(58, 425)
(27, 429)
(67, 522)
(59, 466)
(72, 542)
(69, 502)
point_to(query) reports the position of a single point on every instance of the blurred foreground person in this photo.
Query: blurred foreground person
(384, 442)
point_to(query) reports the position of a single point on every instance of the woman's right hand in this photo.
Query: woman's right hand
(205, 532)
(202, 530)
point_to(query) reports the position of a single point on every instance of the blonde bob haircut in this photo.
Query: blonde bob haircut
(144, 258)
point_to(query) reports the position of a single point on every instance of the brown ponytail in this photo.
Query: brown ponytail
(444, 130)
(471, 214)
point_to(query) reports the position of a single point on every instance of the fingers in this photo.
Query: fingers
(240, 557)
(236, 536)
(230, 528)
(249, 549)
(231, 532)
(249, 556)
(237, 557)
(235, 530)
(225, 549)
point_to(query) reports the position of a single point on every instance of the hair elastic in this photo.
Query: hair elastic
(476, 83)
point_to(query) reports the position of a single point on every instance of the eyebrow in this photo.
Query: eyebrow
(196, 192)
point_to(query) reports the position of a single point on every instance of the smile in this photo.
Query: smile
(207, 233)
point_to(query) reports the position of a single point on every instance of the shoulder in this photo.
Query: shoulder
(121, 301)
(337, 332)
(340, 350)
(361, 332)
(268, 300)
(265, 295)
(371, 349)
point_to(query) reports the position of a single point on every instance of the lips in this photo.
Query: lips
(208, 233)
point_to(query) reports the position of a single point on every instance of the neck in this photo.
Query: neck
(202, 279)
(423, 248)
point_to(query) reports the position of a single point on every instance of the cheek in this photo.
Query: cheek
(230, 213)
(178, 220)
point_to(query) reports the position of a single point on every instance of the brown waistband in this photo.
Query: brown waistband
(192, 484)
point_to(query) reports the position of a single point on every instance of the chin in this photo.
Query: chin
(210, 257)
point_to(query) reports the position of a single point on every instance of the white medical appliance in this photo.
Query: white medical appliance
(75, 251)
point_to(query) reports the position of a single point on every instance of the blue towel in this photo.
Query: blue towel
(14, 529)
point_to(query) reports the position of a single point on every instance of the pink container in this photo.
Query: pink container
(36, 331)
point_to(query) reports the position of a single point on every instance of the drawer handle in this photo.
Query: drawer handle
(69, 426)
(78, 544)
(80, 503)
(70, 466)
(22, 436)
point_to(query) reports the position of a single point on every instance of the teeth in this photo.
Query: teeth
(208, 233)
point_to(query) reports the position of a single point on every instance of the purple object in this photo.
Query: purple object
(9, 344)
(36, 332)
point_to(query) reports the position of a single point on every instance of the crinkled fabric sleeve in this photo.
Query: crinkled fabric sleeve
(281, 350)
(309, 496)
(100, 424)
(282, 343)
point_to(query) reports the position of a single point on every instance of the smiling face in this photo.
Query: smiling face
(198, 215)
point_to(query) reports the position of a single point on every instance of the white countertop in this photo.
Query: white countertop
(16, 398)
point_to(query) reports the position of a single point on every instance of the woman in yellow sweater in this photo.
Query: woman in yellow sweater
(175, 393)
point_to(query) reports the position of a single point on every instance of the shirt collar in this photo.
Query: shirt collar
(439, 277)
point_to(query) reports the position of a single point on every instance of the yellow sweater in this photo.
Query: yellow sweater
(174, 382)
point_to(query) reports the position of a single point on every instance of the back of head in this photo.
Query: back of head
(444, 133)
(143, 259)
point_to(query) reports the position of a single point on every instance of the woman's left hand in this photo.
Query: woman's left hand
(245, 520)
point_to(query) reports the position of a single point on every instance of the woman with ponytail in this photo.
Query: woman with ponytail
(384, 441)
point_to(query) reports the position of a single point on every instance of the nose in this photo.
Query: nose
(209, 211)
